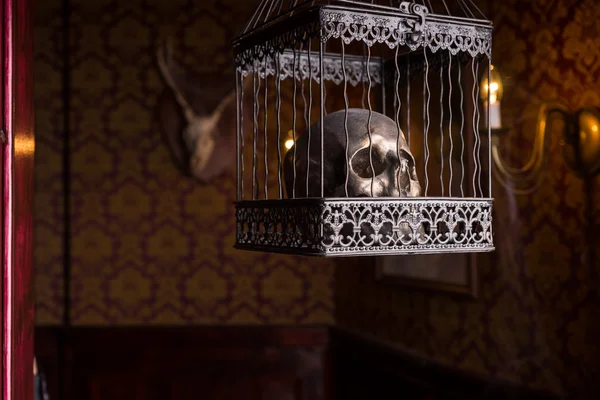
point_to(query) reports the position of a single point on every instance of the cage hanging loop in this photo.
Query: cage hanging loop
(417, 27)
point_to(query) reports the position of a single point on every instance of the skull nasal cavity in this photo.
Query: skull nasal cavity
(361, 163)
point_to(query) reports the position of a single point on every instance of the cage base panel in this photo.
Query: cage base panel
(359, 253)
(365, 226)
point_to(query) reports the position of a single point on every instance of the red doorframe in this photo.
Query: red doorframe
(17, 184)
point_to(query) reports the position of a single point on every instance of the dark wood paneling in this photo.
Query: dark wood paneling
(366, 368)
(266, 363)
(189, 363)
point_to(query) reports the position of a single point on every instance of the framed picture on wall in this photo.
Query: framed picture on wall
(451, 273)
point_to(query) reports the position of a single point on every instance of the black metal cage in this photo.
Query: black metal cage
(362, 128)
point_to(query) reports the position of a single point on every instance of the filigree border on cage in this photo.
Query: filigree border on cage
(402, 31)
(456, 38)
(289, 61)
(291, 227)
(342, 227)
(413, 30)
(257, 50)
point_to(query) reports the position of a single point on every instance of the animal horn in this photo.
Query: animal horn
(164, 58)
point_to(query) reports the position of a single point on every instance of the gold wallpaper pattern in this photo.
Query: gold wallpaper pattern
(536, 319)
(48, 199)
(149, 246)
(152, 247)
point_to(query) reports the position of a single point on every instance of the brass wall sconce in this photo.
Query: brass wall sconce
(580, 142)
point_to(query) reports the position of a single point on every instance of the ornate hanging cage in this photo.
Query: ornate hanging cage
(360, 129)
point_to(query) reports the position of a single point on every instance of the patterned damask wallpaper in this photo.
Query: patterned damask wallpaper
(536, 320)
(148, 245)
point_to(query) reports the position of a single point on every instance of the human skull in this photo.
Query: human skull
(394, 166)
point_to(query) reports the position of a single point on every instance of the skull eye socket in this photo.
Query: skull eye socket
(361, 163)
(410, 161)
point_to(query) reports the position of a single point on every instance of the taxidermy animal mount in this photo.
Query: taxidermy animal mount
(198, 119)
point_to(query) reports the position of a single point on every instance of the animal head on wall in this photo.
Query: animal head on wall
(197, 115)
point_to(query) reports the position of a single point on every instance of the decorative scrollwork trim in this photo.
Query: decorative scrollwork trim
(341, 227)
(355, 68)
(413, 30)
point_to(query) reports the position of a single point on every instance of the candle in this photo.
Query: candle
(492, 91)
(495, 117)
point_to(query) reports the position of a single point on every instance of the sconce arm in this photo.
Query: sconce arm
(533, 167)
